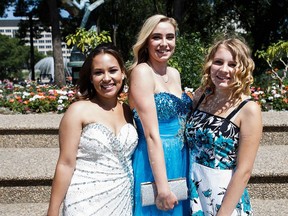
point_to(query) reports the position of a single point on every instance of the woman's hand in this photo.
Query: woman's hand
(167, 201)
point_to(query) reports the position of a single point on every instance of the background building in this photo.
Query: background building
(10, 27)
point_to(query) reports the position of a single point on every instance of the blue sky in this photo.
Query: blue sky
(9, 12)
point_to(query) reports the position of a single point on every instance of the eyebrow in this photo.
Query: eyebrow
(156, 34)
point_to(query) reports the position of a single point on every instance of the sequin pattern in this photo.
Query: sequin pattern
(171, 112)
(169, 106)
(102, 183)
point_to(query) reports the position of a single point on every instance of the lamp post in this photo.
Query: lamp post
(32, 62)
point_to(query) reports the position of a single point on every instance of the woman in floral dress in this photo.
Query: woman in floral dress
(223, 132)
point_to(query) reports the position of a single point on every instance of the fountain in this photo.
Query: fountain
(45, 69)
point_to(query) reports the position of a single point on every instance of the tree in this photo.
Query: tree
(260, 22)
(44, 20)
(4, 5)
(276, 57)
(14, 57)
(56, 42)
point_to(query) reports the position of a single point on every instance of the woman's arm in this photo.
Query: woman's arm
(249, 140)
(69, 137)
(142, 88)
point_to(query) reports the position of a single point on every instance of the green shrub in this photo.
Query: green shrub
(188, 59)
(85, 40)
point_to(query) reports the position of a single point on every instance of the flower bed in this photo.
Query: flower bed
(272, 98)
(33, 98)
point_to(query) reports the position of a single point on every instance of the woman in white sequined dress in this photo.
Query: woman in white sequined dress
(97, 138)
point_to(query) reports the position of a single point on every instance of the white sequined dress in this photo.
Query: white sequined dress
(102, 183)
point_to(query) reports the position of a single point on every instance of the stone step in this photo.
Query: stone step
(23, 209)
(26, 174)
(26, 131)
(48, 138)
(270, 207)
(261, 208)
(29, 138)
(41, 130)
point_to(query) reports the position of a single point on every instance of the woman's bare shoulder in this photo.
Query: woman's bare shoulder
(252, 108)
(141, 67)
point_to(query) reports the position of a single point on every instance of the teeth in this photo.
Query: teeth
(224, 78)
(107, 86)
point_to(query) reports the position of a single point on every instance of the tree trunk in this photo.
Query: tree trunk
(59, 74)
(179, 10)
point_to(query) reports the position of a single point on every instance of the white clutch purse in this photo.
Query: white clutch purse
(149, 191)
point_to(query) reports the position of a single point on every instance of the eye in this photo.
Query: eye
(97, 73)
(156, 37)
(233, 64)
(113, 71)
(170, 37)
(217, 62)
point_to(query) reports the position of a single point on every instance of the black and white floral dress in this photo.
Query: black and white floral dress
(213, 143)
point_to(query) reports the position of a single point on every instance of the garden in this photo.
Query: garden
(30, 97)
(270, 89)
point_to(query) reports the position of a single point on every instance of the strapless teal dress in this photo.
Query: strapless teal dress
(172, 114)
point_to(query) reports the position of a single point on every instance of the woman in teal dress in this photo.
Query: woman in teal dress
(160, 109)
(223, 132)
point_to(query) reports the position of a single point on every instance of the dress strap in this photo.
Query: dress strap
(200, 101)
(237, 109)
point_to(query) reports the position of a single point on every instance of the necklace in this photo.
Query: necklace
(107, 107)
(219, 105)
(162, 76)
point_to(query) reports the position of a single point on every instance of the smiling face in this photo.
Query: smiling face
(223, 68)
(106, 75)
(161, 43)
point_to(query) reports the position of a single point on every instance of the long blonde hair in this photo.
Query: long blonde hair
(140, 47)
(245, 65)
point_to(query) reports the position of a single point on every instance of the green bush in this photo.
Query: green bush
(85, 40)
(188, 59)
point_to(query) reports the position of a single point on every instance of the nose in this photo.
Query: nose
(163, 42)
(225, 68)
(106, 77)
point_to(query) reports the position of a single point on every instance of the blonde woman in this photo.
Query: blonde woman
(160, 108)
(223, 132)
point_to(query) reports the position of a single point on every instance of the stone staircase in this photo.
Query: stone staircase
(29, 152)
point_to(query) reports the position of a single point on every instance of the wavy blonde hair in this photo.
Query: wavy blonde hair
(244, 66)
(140, 47)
